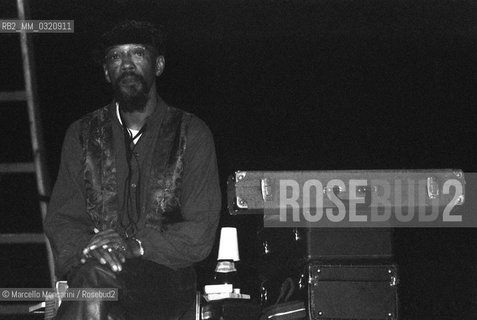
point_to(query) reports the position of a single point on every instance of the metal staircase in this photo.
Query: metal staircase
(37, 166)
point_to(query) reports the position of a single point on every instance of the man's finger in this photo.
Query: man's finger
(120, 256)
(111, 259)
(104, 243)
(96, 254)
(105, 258)
(104, 240)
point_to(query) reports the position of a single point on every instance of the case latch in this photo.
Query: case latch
(432, 188)
(266, 186)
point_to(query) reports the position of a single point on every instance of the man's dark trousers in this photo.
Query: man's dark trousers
(147, 290)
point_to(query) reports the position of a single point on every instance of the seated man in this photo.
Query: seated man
(137, 198)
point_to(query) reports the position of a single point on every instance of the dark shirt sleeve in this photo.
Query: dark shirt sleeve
(67, 224)
(190, 241)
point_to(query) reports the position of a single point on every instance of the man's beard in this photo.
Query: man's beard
(131, 95)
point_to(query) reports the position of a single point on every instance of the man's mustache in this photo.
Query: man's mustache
(130, 74)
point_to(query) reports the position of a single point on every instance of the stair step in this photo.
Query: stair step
(18, 238)
(17, 167)
(18, 308)
(13, 96)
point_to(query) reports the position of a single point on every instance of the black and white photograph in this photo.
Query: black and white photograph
(238, 159)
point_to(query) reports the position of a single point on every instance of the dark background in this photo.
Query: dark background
(283, 85)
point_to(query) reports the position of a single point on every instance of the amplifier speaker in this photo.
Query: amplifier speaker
(355, 292)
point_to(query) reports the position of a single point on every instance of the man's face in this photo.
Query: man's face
(132, 70)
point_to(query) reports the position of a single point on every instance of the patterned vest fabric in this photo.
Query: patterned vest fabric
(164, 184)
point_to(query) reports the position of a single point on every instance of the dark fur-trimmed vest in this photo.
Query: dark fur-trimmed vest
(164, 181)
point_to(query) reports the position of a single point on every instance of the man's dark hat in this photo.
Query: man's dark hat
(131, 31)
